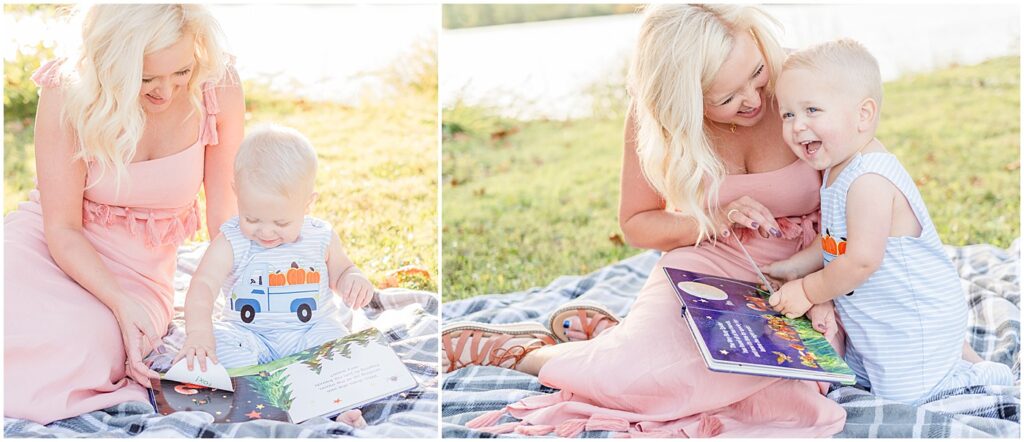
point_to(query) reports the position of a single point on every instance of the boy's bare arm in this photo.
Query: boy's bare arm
(338, 263)
(202, 292)
(213, 269)
(869, 216)
(345, 278)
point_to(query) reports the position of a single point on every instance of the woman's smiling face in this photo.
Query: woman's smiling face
(737, 94)
(166, 73)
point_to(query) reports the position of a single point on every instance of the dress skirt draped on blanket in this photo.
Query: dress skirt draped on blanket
(647, 378)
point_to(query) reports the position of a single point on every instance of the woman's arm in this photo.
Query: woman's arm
(642, 216)
(218, 175)
(61, 181)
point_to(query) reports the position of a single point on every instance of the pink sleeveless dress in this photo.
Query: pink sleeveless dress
(646, 378)
(63, 353)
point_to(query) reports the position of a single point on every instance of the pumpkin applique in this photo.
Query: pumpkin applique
(277, 279)
(831, 246)
(296, 275)
(312, 276)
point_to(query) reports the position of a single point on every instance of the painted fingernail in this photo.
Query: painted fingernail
(775, 232)
(565, 323)
(755, 225)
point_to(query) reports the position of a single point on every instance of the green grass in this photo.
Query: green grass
(522, 210)
(957, 131)
(377, 174)
(377, 177)
(456, 16)
(525, 202)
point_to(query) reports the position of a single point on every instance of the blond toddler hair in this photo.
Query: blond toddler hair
(844, 62)
(277, 159)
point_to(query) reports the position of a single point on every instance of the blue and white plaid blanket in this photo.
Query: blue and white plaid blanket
(990, 278)
(407, 318)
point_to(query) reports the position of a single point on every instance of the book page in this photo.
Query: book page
(344, 376)
(215, 376)
(697, 290)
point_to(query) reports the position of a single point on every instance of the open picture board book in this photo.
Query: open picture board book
(738, 332)
(320, 381)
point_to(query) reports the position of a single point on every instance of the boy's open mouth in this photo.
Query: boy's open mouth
(811, 147)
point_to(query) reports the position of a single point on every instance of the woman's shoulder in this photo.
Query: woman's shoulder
(51, 74)
(227, 80)
(223, 93)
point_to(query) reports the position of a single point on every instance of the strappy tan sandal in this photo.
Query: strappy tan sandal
(590, 315)
(500, 345)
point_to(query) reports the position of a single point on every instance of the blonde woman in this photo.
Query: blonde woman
(126, 134)
(704, 166)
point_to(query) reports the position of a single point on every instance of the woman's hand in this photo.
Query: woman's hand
(748, 212)
(823, 318)
(199, 345)
(355, 290)
(139, 339)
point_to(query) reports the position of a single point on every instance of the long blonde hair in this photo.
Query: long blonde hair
(102, 101)
(679, 51)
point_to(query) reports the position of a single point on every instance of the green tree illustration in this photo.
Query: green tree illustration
(315, 357)
(274, 388)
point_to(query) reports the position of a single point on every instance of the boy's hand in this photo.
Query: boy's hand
(791, 300)
(355, 290)
(823, 318)
(198, 345)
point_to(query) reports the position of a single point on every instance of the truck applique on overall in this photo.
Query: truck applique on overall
(274, 292)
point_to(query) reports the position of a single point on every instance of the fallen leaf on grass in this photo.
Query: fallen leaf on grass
(397, 277)
(616, 239)
(504, 133)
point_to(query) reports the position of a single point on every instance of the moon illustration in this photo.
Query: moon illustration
(704, 291)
